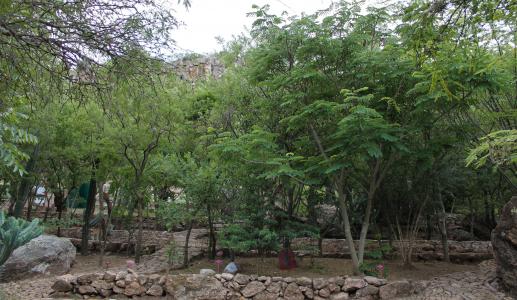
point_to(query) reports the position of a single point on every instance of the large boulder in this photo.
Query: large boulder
(504, 243)
(45, 254)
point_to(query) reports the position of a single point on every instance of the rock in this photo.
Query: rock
(62, 286)
(319, 283)
(118, 290)
(68, 278)
(289, 279)
(352, 284)
(109, 276)
(155, 290)
(367, 291)
(101, 284)
(194, 287)
(142, 279)
(105, 293)
(304, 281)
(231, 268)
(309, 293)
(339, 281)
(134, 289)
(241, 279)
(265, 295)
(86, 279)
(276, 278)
(86, 290)
(504, 242)
(292, 292)
(121, 275)
(394, 290)
(207, 272)
(45, 254)
(120, 283)
(252, 289)
(227, 276)
(325, 293)
(375, 281)
(274, 287)
(332, 287)
(339, 296)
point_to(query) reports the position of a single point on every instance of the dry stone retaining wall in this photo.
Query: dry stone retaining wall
(227, 286)
(423, 250)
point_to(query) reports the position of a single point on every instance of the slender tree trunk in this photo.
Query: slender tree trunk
(140, 234)
(443, 229)
(24, 187)
(364, 227)
(346, 223)
(90, 204)
(47, 209)
(185, 248)
(211, 238)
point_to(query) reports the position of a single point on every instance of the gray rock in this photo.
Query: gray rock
(375, 281)
(241, 279)
(319, 283)
(292, 292)
(352, 284)
(504, 242)
(86, 290)
(155, 290)
(304, 281)
(325, 293)
(227, 276)
(207, 272)
(367, 291)
(252, 289)
(395, 290)
(62, 286)
(265, 295)
(339, 296)
(45, 254)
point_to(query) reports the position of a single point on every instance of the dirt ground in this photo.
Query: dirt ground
(328, 267)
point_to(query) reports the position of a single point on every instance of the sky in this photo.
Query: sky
(207, 19)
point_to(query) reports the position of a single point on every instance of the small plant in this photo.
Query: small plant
(172, 254)
(15, 233)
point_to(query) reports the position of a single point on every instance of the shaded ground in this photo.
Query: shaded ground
(329, 267)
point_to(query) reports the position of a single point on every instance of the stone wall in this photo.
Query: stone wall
(423, 249)
(211, 286)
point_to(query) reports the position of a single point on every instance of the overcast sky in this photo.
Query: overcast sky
(207, 19)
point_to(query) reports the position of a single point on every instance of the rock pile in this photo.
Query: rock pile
(227, 286)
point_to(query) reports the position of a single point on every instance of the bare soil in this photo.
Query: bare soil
(328, 267)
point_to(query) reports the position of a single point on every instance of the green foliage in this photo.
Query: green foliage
(15, 233)
(499, 148)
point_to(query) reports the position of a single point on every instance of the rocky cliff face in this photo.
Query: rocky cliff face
(199, 68)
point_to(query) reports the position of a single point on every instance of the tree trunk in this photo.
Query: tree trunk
(364, 227)
(346, 223)
(24, 187)
(211, 238)
(90, 204)
(443, 229)
(140, 234)
(185, 248)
